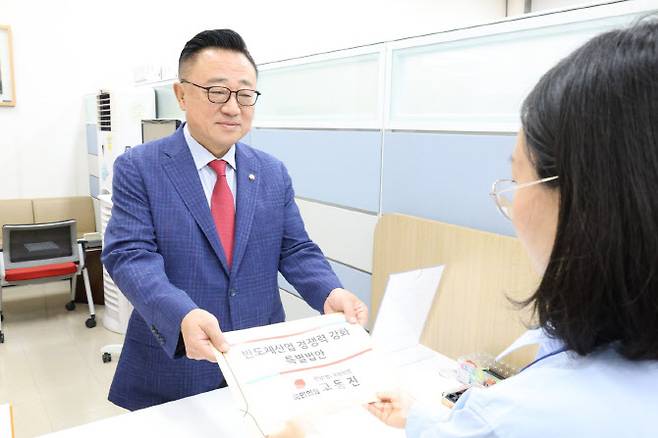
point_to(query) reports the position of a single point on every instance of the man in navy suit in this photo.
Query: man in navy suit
(200, 226)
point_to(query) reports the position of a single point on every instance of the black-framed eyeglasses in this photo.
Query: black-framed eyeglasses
(219, 94)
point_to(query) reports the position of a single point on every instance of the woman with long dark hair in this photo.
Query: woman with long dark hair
(585, 206)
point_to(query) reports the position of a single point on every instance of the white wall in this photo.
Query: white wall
(42, 143)
(65, 49)
(517, 7)
(543, 5)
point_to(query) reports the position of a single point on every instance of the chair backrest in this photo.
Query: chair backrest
(29, 245)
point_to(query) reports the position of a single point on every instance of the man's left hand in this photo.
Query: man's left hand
(341, 300)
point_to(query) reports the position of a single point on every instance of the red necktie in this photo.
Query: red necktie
(222, 209)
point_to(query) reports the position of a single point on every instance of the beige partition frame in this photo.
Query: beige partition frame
(80, 208)
(471, 312)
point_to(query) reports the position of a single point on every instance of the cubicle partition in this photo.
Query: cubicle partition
(420, 126)
(486, 274)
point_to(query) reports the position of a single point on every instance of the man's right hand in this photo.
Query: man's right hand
(200, 329)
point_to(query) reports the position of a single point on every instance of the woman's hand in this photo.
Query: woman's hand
(392, 408)
(292, 429)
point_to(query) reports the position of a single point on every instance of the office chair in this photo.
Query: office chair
(39, 253)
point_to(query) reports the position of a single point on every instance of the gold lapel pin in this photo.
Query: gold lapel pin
(252, 177)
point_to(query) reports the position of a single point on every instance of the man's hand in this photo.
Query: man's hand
(200, 330)
(341, 300)
(392, 408)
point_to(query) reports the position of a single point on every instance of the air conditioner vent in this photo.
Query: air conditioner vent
(103, 111)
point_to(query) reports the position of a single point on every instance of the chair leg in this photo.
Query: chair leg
(74, 284)
(71, 304)
(108, 350)
(91, 322)
(2, 335)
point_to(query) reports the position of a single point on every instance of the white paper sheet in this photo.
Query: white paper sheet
(404, 308)
(6, 425)
(299, 369)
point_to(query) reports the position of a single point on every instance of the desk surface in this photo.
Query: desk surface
(422, 372)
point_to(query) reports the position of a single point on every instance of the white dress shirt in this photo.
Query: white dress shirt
(202, 157)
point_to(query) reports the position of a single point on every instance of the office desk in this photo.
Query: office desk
(213, 414)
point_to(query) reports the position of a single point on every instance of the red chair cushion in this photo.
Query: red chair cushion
(22, 274)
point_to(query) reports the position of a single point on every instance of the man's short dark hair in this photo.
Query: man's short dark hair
(226, 39)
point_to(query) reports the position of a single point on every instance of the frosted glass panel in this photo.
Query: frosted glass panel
(478, 84)
(333, 90)
(166, 104)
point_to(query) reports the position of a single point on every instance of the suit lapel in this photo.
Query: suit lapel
(247, 182)
(181, 170)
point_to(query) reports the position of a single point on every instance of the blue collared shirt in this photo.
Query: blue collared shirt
(601, 395)
(202, 157)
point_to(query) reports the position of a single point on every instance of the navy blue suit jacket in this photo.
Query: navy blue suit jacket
(162, 250)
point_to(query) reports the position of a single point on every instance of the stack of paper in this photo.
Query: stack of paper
(298, 368)
(321, 371)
